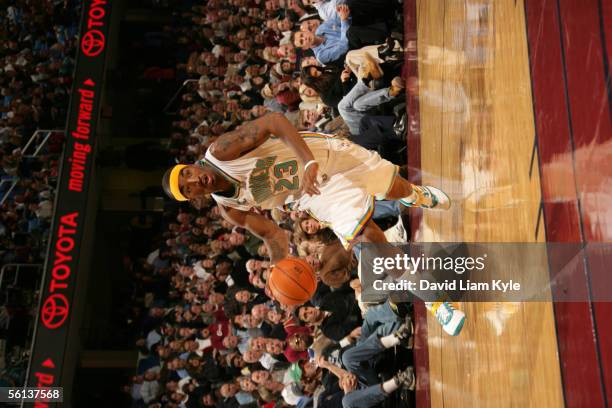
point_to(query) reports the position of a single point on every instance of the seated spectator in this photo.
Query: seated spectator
(329, 42)
(366, 61)
(330, 83)
(359, 381)
(354, 106)
(310, 237)
(336, 316)
(334, 266)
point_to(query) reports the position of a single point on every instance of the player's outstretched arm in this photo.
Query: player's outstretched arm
(273, 236)
(250, 135)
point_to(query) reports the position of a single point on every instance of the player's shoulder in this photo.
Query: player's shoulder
(222, 149)
(232, 144)
(213, 150)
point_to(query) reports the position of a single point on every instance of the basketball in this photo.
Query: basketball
(292, 281)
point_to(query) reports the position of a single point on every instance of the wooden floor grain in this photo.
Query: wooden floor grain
(477, 135)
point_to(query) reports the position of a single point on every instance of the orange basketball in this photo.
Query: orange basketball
(292, 281)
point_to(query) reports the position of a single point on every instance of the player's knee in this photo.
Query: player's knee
(344, 106)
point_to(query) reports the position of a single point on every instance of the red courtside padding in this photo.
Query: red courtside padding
(564, 50)
(589, 101)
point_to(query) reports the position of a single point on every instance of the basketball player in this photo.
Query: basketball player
(267, 163)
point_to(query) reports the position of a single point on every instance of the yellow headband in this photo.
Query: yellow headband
(174, 182)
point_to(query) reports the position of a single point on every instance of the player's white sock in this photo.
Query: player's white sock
(389, 341)
(390, 385)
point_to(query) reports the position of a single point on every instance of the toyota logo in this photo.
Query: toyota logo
(54, 311)
(92, 43)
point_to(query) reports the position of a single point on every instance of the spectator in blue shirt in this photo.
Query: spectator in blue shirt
(337, 35)
(329, 42)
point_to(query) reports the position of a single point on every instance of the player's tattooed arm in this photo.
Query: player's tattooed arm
(247, 137)
(244, 138)
(273, 236)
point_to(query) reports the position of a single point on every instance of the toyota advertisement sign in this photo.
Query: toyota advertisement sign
(62, 262)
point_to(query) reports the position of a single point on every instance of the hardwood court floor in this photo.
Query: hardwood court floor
(477, 135)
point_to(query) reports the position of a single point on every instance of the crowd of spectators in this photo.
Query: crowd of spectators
(37, 54)
(210, 333)
(37, 51)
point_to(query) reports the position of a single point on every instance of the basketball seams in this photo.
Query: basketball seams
(299, 268)
(275, 290)
(297, 282)
(307, 266)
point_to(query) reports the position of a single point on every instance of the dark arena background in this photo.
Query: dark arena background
(126, 298)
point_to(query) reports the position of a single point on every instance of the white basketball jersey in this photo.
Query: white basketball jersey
(270, 175)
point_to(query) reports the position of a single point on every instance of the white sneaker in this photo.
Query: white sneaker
(451, 319)
(428, 197)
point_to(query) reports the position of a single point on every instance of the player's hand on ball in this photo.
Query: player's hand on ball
(310, 185)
